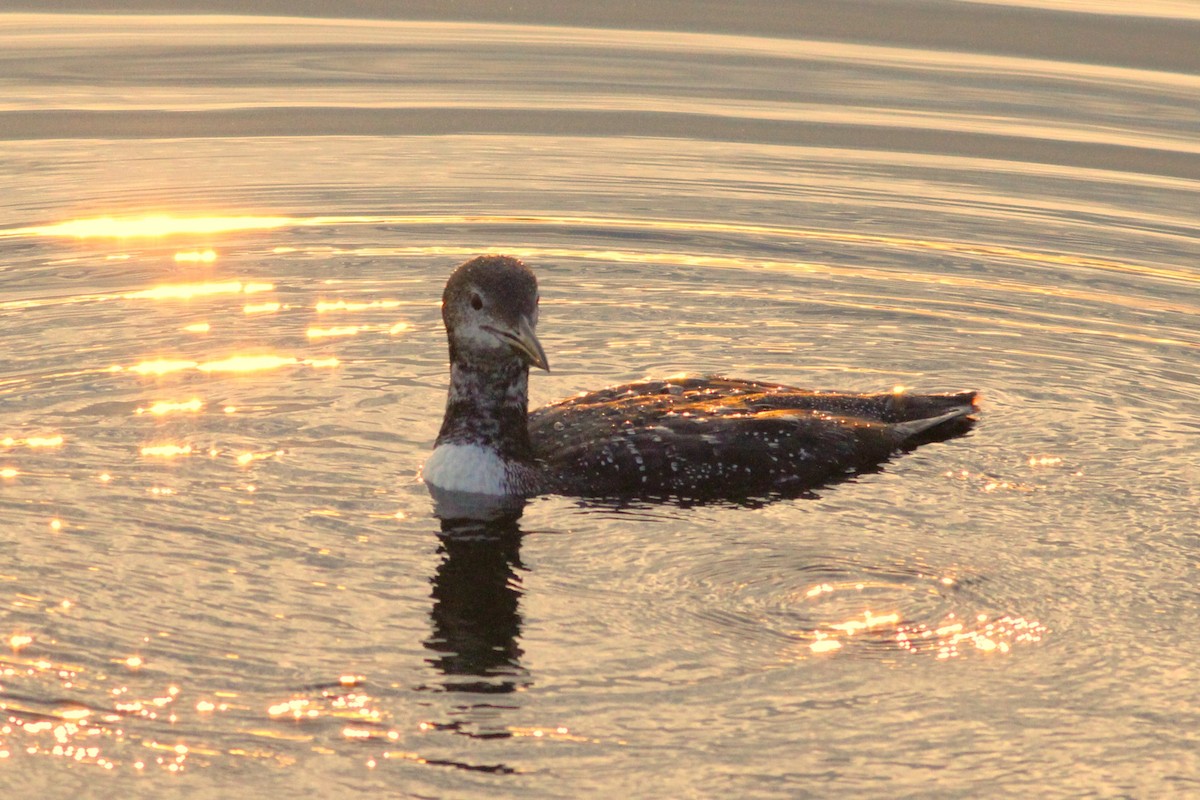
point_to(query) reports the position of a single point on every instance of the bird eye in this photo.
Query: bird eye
(476, 302)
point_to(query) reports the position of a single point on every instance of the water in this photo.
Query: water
(222, 246)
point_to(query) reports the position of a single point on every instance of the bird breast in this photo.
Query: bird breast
(476, 469)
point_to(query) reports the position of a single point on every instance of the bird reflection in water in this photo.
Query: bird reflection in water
(476, 595)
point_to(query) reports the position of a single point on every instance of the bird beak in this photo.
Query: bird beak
(525, 342)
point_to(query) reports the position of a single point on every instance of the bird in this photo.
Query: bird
(687, 438)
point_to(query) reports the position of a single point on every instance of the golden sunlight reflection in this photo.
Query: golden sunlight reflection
(299, 708)
(8, 472)
(989, 484)
(248, 363)
(165, 224)
(168, 407)
(157, 225)
(233, 364)
(561, 733)
(261, 308)
(824, 644)
(208, 706)
(326, 333)
(167, 450)
(198, 327)
(698, 226)
(368, 730)
(162, 366)
(153, 225)
(950, 637)
(868, 622)
(196, 256)
(249, 458)
(83, 734)
(75, 713)
(189, 291)
(33, 442)
(1045, 461)
(342, 305)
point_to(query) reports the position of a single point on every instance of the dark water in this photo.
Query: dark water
(222, 245)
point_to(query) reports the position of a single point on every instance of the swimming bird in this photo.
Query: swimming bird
(681, 437)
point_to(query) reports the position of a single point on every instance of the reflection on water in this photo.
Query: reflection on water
(223, 241)
(476, 594)
(168, 407)
(154, 225)
(189, 291)
(259, 363)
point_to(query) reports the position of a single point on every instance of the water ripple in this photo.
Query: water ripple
(222, 247)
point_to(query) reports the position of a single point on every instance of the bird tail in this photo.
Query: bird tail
(952, 422)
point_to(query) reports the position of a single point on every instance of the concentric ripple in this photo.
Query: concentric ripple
(858, 611)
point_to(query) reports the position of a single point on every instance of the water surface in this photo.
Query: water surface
(223, 241)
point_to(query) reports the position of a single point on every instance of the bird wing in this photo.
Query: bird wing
(718, 437)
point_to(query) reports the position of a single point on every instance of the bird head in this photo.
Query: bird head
(490, 308)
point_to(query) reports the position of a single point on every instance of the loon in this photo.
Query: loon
(680, 437)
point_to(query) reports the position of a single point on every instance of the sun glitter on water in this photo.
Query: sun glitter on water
(950, 637)
(233, 364)
(196, 256)
(162, 407)
(191, 291)
(155, 225)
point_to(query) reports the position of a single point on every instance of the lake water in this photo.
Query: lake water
(223, 241)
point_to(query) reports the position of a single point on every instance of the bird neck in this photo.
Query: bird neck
(488, 406)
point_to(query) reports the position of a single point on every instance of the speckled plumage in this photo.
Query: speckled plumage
(705, 437)
(681, 437)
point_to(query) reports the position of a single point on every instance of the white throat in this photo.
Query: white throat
(469, 468)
